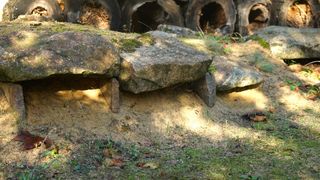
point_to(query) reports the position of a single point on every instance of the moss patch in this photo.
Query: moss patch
(130, 45)
(146, 39)
(261, 41)
(261, 62)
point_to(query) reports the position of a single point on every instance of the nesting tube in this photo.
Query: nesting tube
(292, 13)
(145, 15)
(211, 16)
(253, 15)
(46, 8)
(103, 14)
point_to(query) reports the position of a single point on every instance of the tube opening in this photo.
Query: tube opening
(259, 17)
(212, 18)
(147, 17)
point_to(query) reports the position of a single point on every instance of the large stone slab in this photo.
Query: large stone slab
(29, 54)
(292, 43)
(229, 75)
(164, 63)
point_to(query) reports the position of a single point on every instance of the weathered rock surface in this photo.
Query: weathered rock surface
(164, 63)
(110, 88)
(14, 96)
(26, 55)
(230, 75)
(206, 88)
(180, 31)
(292, 43)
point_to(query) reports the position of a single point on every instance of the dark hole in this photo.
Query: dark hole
(258, 17)
(147, 17)
(212, 18)
(302, 61)
(64, 82)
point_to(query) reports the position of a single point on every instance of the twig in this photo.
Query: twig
(201, 32)
(311, 63)
(145, 25)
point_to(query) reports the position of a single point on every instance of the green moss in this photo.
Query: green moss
(262, 63)
(265, 67)
(146, 39)
(212, 68)
(261, 41)
(129, 45)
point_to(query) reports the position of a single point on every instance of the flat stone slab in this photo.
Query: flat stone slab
(292, 43)
(31, 53)
(230, 75)
(164, 63)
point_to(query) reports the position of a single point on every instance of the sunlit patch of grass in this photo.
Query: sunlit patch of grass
(210, 44)
(277, 149)
(261, 41)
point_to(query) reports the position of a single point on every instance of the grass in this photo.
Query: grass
(251, 159)
(284, 150)
(210, 44)
(212, 69)
(261, 41)
(130, 45)
(262, 63)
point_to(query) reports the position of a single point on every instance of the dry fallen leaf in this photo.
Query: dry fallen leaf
(110, 153)
(32, 141)
(114, 162)
(117, 162)
(313, 97)
(255, 116)
(258, 118)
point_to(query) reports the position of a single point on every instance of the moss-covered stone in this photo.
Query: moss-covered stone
(164, 63)
(292, 43)
(29, 52)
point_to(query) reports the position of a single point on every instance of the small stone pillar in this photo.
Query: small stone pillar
(15, 98)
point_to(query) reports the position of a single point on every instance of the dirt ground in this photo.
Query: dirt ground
(168, 134)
